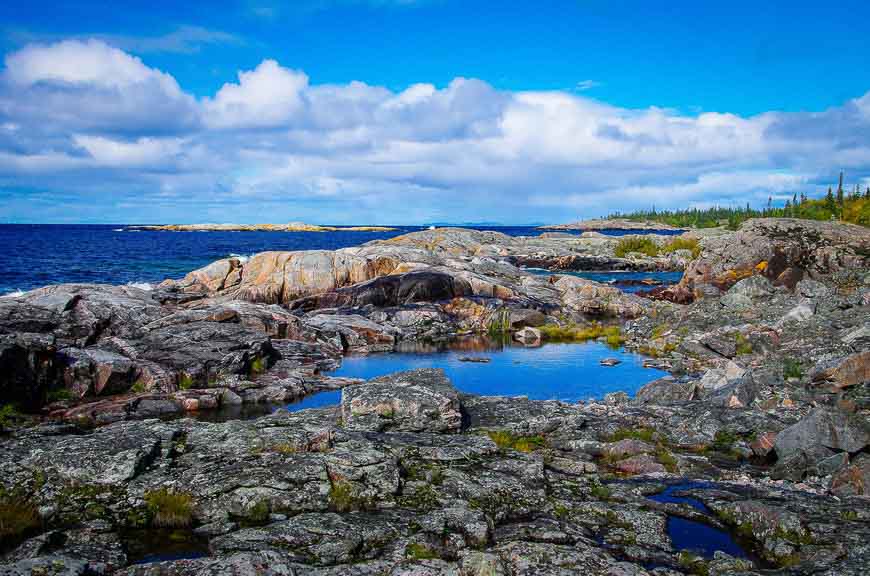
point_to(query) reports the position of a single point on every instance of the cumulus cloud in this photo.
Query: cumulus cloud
(272, 145)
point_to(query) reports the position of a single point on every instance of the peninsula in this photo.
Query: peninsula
(289, 227)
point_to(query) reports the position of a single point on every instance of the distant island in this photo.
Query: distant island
(289, 227)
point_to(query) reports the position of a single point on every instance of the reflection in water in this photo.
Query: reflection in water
(160, 545)
(568, 372)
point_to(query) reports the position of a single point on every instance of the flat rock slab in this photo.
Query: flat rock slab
(413, 401)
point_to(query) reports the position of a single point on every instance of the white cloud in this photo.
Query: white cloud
(584, 85)
(273, 146)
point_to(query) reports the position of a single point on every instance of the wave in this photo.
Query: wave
(240, 257)
(117, 229)
(141, 286)
(13, 294)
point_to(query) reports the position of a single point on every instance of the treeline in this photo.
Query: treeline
(852, 206)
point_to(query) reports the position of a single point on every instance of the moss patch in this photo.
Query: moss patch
(574, 333)
(18, 517)
(419, 551)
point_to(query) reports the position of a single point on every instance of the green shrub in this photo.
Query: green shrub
(185, 381)
(508, 441)
(258, 366)
(420, 552)
(343, 497)
(58, 395)
(169, 509)
(744, 346)
(601, 492)
(573, 333)
(640, 244)
(18, 517)
(646, 434)
(690, 244)
(8, 416)
(791, 368)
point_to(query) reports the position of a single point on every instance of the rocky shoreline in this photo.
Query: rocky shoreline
(760, 435)
(611, 224)
(290, 227)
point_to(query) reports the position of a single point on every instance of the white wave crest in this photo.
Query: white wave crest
(240, 257)
(141, 286)
(13, 294)
(117, 229)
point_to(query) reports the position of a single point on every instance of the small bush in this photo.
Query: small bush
(8, 416)
(420, 552)
(258, 366)
(18, 517)
(507, 441)
(601, 492)
(791, 368)
(58, 395)
(573, 333)
(743, 345)
(646, 434)
(169, 509)
(185, 381)
(343, 497)
(667, 460)
(690, 244)
(636, 244)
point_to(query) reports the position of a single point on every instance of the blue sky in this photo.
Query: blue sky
(413, 111)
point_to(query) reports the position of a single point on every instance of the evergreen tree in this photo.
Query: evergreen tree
(840, 197)
(867, 193)
(787, 210)
(830, 204)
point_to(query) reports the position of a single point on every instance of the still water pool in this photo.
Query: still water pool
(567, 372)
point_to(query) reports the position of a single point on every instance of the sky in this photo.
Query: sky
(419, 111)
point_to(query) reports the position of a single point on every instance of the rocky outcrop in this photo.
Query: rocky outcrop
(611, 224)
(781, 249)
(417, 401)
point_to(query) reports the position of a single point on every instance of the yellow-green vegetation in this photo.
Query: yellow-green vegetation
(666, 459)
(791, 368)
(690, 244)
(258, 366)
(8, 416)
(659, 331)
(185, 381)
(645, 434)
(138, 387)
(508, 441)
(419, 551)
(285, 448)
(601, 492)
(693, 564)
(343, 496)
(744, 346)
(259, 514)
(574, 333)
(18, 517)
(168, 508)
(639, 244)
(58, 395)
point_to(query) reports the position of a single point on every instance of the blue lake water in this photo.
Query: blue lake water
(38, 255)
(625, 281)
(567, 372)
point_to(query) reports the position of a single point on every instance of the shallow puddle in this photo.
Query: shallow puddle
(693, 536)
(567, 372)
(148, 546)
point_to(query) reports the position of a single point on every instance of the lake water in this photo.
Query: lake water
(38, 255)
(626, 281)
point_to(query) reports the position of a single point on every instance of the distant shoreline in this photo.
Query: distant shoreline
(610, 224)
(290, 227)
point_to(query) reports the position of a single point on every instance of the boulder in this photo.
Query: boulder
(745, 292)
(843, 372)
(666, 390)
(528, 336)
(819, 435)
(853, 480)
(414, 401)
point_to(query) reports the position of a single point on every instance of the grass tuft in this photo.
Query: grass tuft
(418, 551)
(508, 441)
(573, 333)
(169, 509)
(17, 519)
(791, 368)
(639, 244)
(690, 244)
